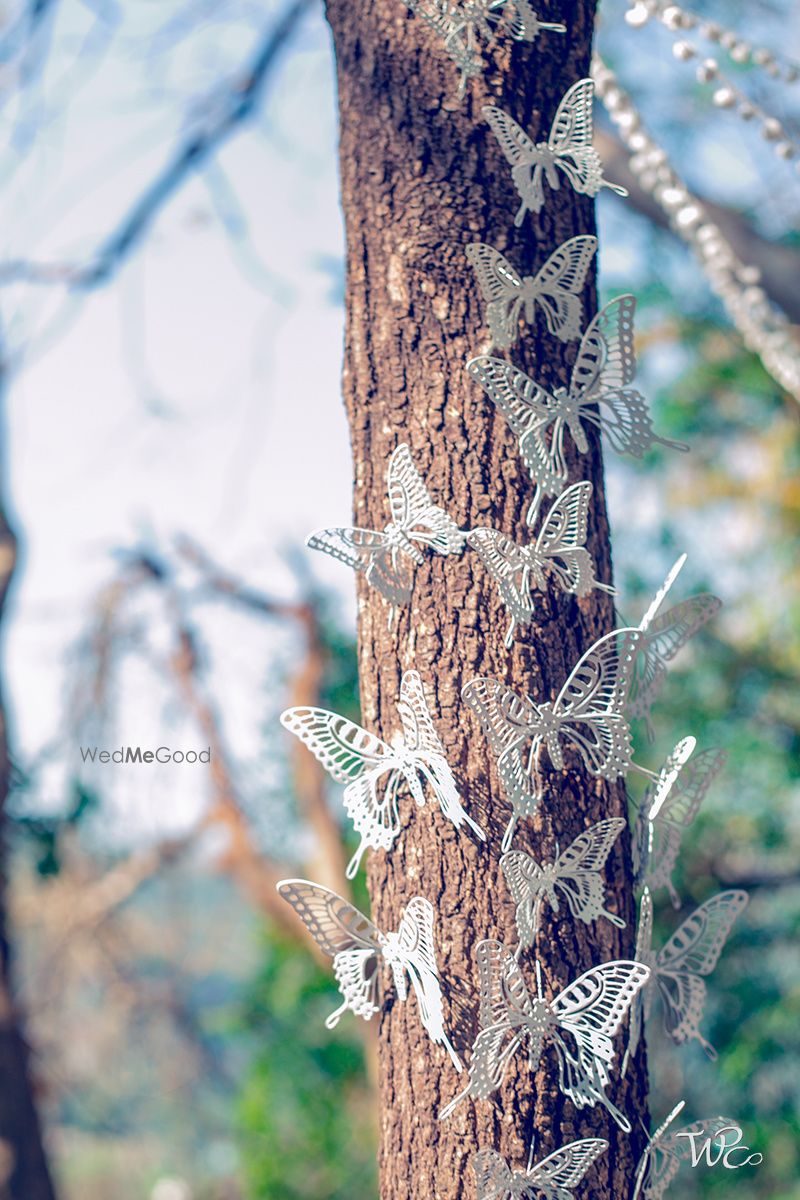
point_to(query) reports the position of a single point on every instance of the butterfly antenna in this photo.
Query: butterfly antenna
(534, 506)
(531, 1153)
(652, 775)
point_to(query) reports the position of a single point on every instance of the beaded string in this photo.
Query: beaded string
(726, 94)
(763, 326)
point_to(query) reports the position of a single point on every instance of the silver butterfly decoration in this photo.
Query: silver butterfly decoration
(556, 288)
(463, 23)
(665, 1151)
(667, 809)
(579, 1022)
(374, 771)
(568, 149)
(665, 634)
(559, 551)
(359, 948)
(386, 557)
(553, 1178)
(677, 969)
(588, 713)
(574, 876)
(599, 395)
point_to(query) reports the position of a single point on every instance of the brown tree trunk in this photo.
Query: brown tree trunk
(23, 1166)
(421, 178)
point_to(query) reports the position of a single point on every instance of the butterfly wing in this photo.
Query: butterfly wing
(665, 635)
(495, 705)
(675, 813)
(530, 411)
(524, 878)
(557, 286)
(414, 512)
(526, 160)
(572, 125)
(606, 358)
(419, 732)
(415, 952)
(591, 1009)
(371, 554)
(562, 537)
(591, 703)
(335, 924)
(506, 563)
(345, 750)
(578, 871)
(502, 290)
(556, 1175)
(493, 1178)
(693, 952)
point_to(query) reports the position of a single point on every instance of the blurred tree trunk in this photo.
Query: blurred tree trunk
(421, 177)
(23, 1166)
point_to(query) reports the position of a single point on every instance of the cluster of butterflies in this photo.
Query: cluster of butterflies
(615, 681)
(466, 27)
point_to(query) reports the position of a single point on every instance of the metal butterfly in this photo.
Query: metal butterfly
(665, 634)
(676, 969)
(359, 948)
(385, 558)
(559, 551)
(575, 874)
(463, 23)
(587, 1014)
(667, 809)
(374, 771)
(587, 713)
(665, 1151)
(568, 148)
(554, 1178)
(556, 287)
(599, 394)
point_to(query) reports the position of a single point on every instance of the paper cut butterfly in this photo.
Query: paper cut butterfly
(359, 949)
(374, 772)
(579, 1022)
(568, 149)
(598, 396)
(574, 876)
(666, 811)
(554, 1178)
(588, 713)
(665, 1151)
(385, 558)
(677, 969)
(556, 288)
(559, 551)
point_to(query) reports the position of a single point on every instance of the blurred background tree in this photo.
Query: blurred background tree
(172, 249)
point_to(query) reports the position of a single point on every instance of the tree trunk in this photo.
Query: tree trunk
(421, 178)
(23, 1166)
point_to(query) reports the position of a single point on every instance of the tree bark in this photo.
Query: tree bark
(421, 178)
(24, 1173)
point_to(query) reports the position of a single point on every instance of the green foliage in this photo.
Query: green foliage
(306, 1114)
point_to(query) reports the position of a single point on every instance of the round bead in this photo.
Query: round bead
(683, 51)
(637, 16)
(746, 111)
(762, 57)
(785, 150)
(710, 30)
(707, 70)
(740, 53)
(724, 97)
(772, 129)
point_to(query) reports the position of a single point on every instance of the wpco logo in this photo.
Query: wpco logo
(718, 1148)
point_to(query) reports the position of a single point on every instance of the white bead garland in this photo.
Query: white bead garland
(763, 326)
(726, 95)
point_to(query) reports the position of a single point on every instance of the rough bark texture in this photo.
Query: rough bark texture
(421, 178)
(23, 1167)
